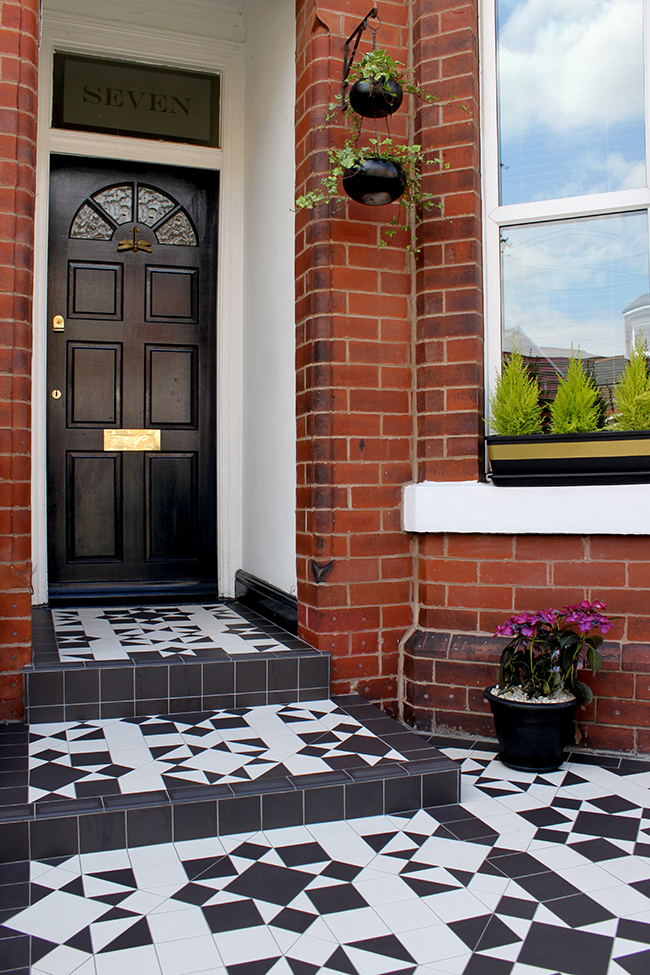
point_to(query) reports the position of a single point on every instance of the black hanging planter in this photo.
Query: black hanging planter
(373, 99)
(532, 736)
(375, 182)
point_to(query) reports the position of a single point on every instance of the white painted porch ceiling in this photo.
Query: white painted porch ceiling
(223, 19)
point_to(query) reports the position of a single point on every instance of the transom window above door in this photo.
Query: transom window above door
(101, 214)
(147, 101)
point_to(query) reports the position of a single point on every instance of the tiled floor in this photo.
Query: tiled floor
(74, 760)
(529, 875)
(141, 633)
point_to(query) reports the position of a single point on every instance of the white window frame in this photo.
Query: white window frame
(477, 507)
(495, 216)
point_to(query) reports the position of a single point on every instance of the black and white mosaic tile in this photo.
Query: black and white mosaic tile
(75, 760)
(528, 875)
(150, 633)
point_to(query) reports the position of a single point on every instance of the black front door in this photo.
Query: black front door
(131, 378)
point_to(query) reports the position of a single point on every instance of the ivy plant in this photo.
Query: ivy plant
(379, 67)
(347, 160)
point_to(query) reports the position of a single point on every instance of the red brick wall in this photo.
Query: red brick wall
(354, 384)
(360, 309)
(18, 60)
(390, 389)
(449, 338)
(470, 583)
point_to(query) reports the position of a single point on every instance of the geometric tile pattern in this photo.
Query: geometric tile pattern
(75, 760)
(528, 875)
(155, 633)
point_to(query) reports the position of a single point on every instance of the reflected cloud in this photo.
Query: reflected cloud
(568, 282)
(571, 72)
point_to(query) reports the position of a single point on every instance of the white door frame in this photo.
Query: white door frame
(149, 45)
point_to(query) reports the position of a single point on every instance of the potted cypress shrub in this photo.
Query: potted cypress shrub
(579, 449)
(632, 392)
(537, 692)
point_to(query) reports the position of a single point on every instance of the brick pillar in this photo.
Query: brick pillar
(449, 339)
(354, 383)
(18, 60)
(449, 350)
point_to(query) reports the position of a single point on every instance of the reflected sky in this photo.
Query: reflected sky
(569, 281)
(571, 114)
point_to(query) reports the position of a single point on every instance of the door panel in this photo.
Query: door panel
(171, 386)
(171, 507)
(172, 294)
(94, 485)
(94, 290)
(94, 387)
(133, 269)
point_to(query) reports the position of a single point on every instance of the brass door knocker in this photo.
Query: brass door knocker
(134, 245)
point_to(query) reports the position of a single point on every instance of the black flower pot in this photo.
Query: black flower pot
(375, 182)
(373, 99)
(532, 736)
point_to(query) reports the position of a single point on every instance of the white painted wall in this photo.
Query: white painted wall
(269, 469)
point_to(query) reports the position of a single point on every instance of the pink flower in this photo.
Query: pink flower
(549, 616)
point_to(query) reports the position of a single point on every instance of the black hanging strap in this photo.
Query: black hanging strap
(348, 60)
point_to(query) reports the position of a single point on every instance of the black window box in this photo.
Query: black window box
(603, 457)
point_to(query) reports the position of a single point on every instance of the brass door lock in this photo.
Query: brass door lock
(58, 323)
(56, 394)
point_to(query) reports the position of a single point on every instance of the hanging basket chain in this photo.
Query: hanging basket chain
(373, 30)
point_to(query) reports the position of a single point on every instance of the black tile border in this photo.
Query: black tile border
(620, 764)
(61, 827)
(53, 694)
(173, 821)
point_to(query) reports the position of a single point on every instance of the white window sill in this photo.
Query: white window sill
(475, 507)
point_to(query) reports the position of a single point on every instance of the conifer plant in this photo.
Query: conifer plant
(515, 407)
(632, 392)
(578, 406)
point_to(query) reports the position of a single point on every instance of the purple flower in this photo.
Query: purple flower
(549, 616)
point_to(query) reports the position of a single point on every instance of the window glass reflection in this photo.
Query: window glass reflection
(580, 284)
(570, 80)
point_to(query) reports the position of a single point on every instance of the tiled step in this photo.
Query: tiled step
(119, 662)
(529, 875)
(102, 784)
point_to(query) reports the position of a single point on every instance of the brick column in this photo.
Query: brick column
(449, 351)
(18, 60)
(354, 383)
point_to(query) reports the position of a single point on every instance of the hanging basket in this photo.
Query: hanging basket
(375, 182)
(372, 99)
